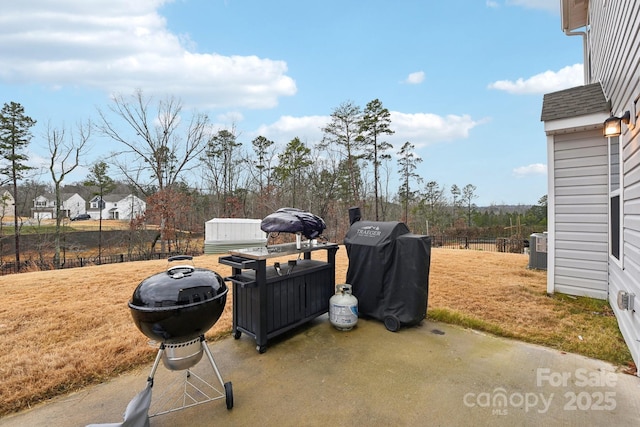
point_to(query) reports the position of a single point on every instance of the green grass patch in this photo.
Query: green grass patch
(457, 318)
(587, 327)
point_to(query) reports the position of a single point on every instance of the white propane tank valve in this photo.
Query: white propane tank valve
(343, 308)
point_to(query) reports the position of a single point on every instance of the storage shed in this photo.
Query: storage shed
(224, 234)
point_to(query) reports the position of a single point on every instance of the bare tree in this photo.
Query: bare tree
(65, 151)
(153, 141)
(156, 142)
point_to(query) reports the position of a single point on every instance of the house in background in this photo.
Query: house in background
(44, 206)
(594, 177)
(7, 204)
(116, 206)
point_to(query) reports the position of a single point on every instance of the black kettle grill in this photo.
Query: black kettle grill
(176, 308)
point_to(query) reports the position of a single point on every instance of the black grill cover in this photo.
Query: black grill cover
(292, 220)
(389, 270)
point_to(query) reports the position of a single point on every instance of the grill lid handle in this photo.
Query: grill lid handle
(180, 258)
(180, 270)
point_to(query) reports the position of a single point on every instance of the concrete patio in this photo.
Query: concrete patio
(432, 374)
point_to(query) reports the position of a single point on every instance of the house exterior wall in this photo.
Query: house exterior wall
(45, 207)
(613, 50)
(579, 206)
(128, 208)
(7, 205)
(74, 205)
(614, 57)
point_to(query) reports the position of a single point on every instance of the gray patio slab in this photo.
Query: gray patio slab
(431, 374)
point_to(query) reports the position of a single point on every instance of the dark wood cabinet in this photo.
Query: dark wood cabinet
(269, 300)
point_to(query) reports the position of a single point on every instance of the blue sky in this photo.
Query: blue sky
(463, 79)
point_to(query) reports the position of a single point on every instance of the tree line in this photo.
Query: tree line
(189, 172)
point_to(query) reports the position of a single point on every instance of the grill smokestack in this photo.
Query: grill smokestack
(354, 215)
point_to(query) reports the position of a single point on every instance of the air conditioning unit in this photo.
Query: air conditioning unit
(538, 251)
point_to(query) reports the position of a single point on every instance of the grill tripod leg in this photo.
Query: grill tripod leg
(228, 388)
(200, 385)
(205, 347)
(155, 365)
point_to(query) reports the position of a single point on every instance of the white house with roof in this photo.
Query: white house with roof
(71, 204)
(593, 150)
(116, 206)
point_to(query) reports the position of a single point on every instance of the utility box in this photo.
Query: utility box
(538, 251)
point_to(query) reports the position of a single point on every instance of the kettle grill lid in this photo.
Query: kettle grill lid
(178, 286)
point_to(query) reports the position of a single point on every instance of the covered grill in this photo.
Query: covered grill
(389, 272)
(176, 308)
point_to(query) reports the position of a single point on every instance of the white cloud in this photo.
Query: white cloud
(415, 78)
(307, 128)
(492, 4)
(549, 81)
(120, 46)
(421, 129)
(532, 169)
(229, 119)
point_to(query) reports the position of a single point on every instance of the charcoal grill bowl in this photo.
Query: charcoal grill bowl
(180, 356)
(178, 305)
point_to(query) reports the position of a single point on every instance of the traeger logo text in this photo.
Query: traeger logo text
(369, 231)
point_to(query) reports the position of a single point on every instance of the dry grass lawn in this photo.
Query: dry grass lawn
(62, 330)
(83, 225)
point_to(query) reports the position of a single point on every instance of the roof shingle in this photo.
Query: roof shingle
(574, 102)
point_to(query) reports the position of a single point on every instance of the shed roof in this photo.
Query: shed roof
(574, 102)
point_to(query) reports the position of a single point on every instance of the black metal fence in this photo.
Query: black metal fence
(43, 264)
(491, 244)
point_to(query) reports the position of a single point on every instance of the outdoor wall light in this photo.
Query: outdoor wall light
(613, 125)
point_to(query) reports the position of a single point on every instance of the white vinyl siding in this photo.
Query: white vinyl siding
(628, 279)
(614, 52)
(580, 190)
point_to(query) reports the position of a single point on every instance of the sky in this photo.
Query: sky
(463, 80)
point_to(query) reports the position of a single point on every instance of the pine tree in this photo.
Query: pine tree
(103, 185)
(15, 136)
(375, 123)
(407, 164)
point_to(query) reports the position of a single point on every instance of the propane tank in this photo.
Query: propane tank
(343, 308)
